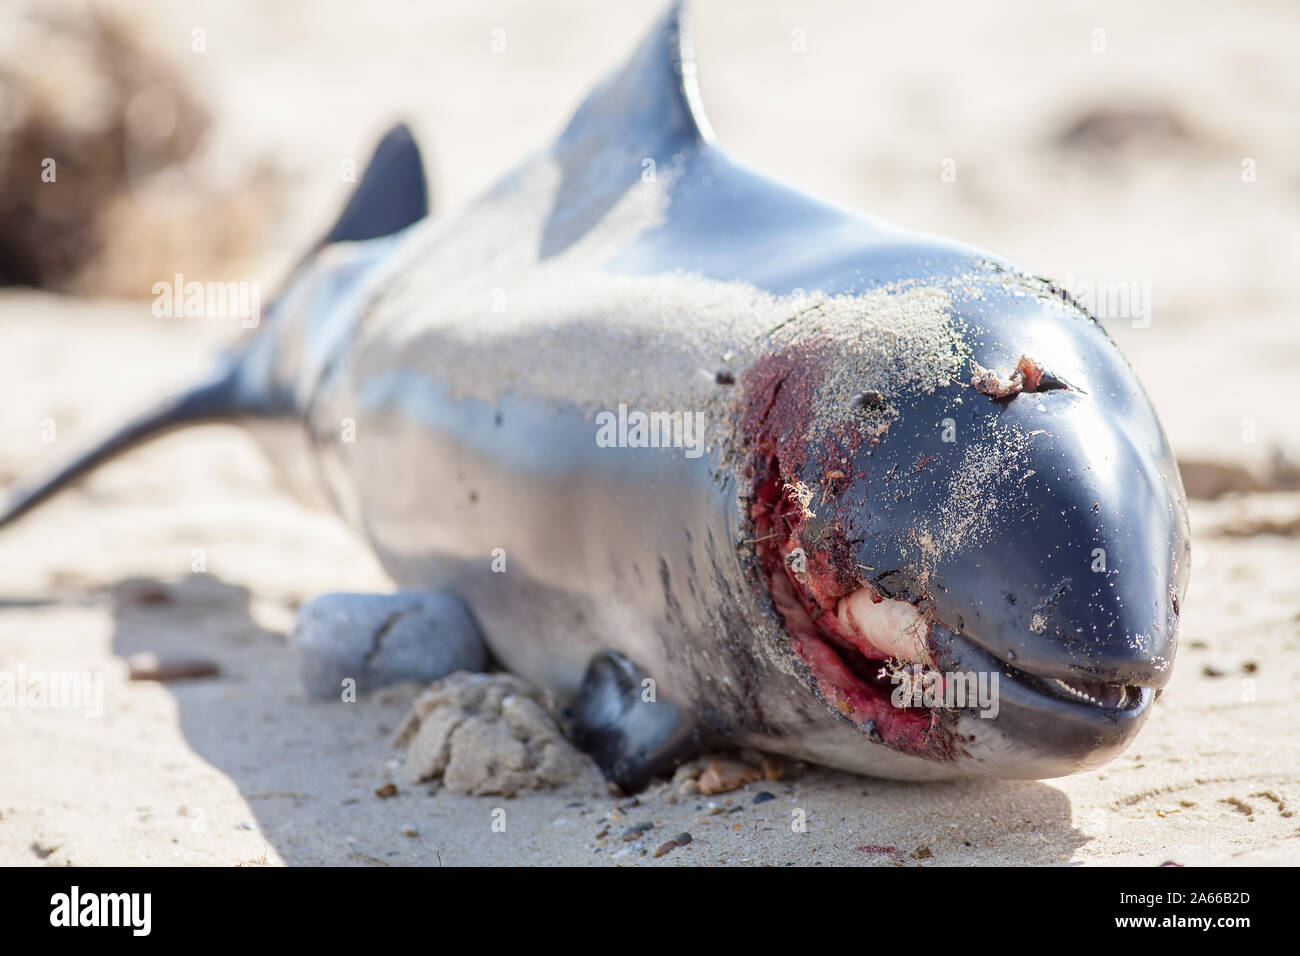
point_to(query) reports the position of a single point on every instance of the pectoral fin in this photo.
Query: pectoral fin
(631, 733)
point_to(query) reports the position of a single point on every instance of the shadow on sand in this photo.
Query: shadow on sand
(309, 769)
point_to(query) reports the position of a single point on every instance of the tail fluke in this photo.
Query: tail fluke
(213, 399)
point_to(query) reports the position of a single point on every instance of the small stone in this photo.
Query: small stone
(763, 796)
(635, 833)
(722, 775)
(410, 832)
(922, 853)
(665, 848)
(386, 791)
(687, 771)
(682, 838)
(381, 639)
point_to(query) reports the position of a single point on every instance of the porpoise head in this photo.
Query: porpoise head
(978, 559)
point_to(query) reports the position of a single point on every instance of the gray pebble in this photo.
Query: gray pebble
(381, 639)
(633, 832)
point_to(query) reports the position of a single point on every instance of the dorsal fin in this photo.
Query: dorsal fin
(648, 109)
(653, 98)
(391, 195)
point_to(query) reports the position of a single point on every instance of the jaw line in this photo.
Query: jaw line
(1037, 734)
(1073, 690)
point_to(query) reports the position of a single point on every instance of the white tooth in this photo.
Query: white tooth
(1083, 695)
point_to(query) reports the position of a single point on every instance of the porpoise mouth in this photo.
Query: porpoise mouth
(860, 645)
(1104, 696)
(1099, 697)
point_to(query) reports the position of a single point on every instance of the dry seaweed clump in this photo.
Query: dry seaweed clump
(487, 734)
(84, 110)
(107, 183)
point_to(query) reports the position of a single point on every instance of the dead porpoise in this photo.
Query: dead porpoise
(715, 460)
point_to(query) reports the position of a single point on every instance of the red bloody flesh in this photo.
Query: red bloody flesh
(845, 666)
(779, 396)
(1031, 372)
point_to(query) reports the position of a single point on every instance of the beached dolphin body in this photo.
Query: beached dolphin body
(718, 460)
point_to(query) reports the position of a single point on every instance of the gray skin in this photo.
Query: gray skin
(443, 432)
